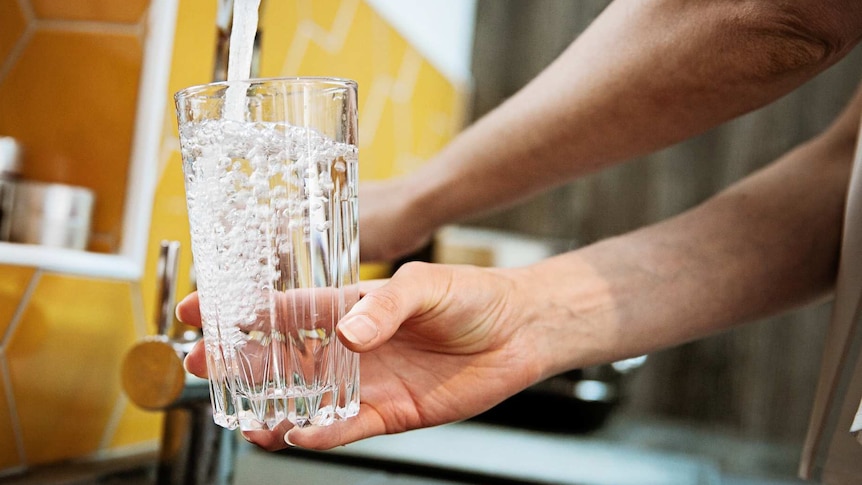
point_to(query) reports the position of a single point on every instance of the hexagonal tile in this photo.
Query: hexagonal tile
(12, 25)
(127, 11)
(13, 284)
(64, 363)
(9, 455)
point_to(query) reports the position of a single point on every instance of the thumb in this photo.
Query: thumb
(378, 315)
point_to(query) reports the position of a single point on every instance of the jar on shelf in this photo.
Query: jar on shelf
(54, 215)
(10, 168)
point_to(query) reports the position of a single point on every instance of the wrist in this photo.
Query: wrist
(423, 193)
(572, 314)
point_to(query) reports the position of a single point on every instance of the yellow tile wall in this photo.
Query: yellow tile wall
(68, 86)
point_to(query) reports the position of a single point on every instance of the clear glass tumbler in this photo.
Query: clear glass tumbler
(270, 171)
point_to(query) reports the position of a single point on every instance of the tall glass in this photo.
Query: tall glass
(270, 171)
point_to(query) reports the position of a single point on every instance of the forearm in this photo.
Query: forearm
(762, 246)
(644, 75)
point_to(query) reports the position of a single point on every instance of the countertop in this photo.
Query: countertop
(627, 450)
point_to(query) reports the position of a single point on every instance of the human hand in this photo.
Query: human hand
(439, 344)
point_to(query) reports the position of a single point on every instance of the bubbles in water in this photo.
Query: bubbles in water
(263, 210)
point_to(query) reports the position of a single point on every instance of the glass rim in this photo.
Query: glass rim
(298, 80)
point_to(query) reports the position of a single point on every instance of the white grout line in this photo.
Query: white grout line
(140, 320)
(22, 41)
(89, 27)
(398, 91)
(14, 422)
(119, 452)
(34, 24)
(330, 39)
(4, 366)
(19, 312)
(27, 10)
(113, 422)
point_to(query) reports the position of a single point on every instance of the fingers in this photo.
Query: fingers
(270, 440)
(188, 310)
(196, 360)
(364, 425)
(376, 317)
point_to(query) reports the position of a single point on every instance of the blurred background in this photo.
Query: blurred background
(85, 93)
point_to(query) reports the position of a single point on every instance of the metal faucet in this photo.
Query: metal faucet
(194, 450)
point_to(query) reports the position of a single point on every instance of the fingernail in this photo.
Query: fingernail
(359, 329)
(287, 440)
(178, 305)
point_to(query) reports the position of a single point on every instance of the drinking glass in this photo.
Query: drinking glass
(270, 170)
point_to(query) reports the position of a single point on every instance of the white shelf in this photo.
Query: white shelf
(70, 261)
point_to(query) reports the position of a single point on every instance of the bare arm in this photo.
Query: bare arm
(644, 75)
(766, 244)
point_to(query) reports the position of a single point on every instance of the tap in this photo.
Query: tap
(193, 450)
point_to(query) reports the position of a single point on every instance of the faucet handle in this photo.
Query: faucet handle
(167, 280)
(152, 371)
(152, 374)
